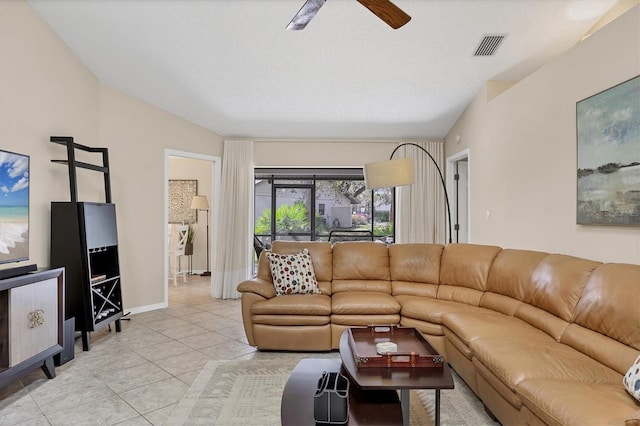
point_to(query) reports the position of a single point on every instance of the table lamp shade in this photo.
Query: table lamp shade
(389, 173)
(199, 202)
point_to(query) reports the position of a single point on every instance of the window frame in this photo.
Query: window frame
(276, 176)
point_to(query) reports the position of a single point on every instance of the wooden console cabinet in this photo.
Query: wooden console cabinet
(31, 323)
(84, 240)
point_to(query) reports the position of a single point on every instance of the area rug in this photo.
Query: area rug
(248, 392)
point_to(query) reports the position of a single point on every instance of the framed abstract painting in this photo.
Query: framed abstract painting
(608, 135)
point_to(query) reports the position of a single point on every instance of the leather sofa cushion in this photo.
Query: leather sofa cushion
(259, 286)
(485, 375)
(365, 320)
(294, 304)
(513, 357)
(360, 260)
(557, 284)
(454, 293)
(469, 326)
(467, 265)
(399, 288)
(426, 328)
(419, 263)
(293, 338)
(511, 271)
(379, 286)
(264, 268)
(364, 303)
(499, 303)
(431, 310)
(610, 303)
(325, 287)
(456, 342)
(320, 252)
(293, 320)
(562, 402)
(543, 320)
(604, 349)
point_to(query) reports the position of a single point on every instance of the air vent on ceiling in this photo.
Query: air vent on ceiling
(489, 44)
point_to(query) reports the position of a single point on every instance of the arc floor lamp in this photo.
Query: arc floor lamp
(391, 173)
(200, 202)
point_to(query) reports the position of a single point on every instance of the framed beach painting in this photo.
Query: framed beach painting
(14, 207)
(608, 133)
(181, 193)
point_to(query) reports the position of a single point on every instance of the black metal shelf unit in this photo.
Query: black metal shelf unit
(84, 240)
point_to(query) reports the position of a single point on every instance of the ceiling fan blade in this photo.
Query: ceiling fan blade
(305, 14)
(387, 11)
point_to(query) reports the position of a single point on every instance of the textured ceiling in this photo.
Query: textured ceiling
(230, 65)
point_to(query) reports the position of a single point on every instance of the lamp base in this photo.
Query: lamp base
(206, 274)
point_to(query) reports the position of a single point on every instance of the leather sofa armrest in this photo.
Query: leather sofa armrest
(258, 286)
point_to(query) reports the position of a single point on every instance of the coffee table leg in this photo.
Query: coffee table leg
(437, 407)
(404, 403)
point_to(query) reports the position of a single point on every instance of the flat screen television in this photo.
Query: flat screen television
(14, 207)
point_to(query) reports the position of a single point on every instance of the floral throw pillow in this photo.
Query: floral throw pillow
(631, 380)
(293, 273)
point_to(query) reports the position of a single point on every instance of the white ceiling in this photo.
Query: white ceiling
(231, 67)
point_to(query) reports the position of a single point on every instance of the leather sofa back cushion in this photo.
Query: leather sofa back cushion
(419, 263)
(557, 284)
(364, 262)
(603, 349)
(464, 295)
(399, 288)
(320, 252)
(380, 286)
(610, 303)
(543, 320)
(500, 303)
(511, 272)
(467, 265)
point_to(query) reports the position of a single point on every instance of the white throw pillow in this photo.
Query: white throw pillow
(631, 380)
(293, 273)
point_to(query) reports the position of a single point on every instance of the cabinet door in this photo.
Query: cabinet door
(33, 319)
(100, 225)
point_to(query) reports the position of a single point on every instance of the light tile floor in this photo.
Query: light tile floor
(137, 376)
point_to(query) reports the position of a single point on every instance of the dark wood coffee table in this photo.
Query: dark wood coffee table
(366, 407)
(396, 378)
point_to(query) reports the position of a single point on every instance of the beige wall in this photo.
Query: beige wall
(45, 90)
(523, 150)
(137, 135)
(306, 153)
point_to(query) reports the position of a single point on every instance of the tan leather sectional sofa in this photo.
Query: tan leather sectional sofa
(541, 338)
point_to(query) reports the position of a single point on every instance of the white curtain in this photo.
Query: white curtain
(421, 208)
(234, 241)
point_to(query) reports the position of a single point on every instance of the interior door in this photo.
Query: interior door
(461, 196)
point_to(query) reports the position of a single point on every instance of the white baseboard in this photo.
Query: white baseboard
(146, 308)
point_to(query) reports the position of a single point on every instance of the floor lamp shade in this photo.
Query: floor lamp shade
(389, 173)
(200, 202)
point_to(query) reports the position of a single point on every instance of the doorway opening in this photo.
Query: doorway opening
(205, 170)
(458, 180)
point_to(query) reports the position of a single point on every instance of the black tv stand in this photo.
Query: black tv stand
(17, 271)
